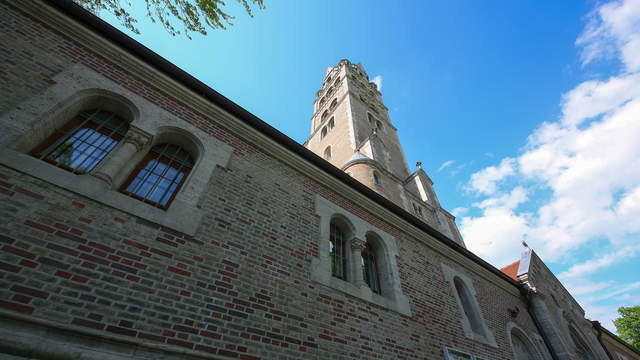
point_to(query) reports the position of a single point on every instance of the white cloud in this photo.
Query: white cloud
(592, 265)
(613, 31)
(587, 167)
(445, 165)
(459, 211)
(378, 81)
(485, 181)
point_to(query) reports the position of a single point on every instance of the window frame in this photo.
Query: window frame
(77, 123)
(149, 156)
(392, 296)
(487, 337)
(78, 89)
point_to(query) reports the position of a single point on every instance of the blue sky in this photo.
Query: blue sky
(522, 112)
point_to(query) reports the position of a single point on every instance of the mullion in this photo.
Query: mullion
(150, 172)
(173, 181)
(97, 131)
(160, 176)
(96, 147)
(62, 138)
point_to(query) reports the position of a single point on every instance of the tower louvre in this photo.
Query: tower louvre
(351, 128)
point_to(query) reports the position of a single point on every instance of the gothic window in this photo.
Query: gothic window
(327, 153)
(376, 178)
(325, 115)
(379, 124)
(330, 91)
(467, 306)
(337, 251)
(333, 105)
(159, 176)
(370, 118)
(582, 350)
(322, 101)
(328, 80)
(331, 124)
(417, 210)
(323, 133)
(522, 347)
(84, 141)
(370, 268)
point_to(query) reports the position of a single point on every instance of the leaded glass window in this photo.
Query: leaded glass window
(159, 176)
(370, 268)
(337, 252)
(84, 141)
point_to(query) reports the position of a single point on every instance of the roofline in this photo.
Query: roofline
(161, 64)
(615, 337)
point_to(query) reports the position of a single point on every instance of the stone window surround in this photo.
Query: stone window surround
(78, 88)
(392, 296)
(488, 337)
(532, 345)
(450, 353)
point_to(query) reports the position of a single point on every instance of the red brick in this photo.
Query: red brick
(19, 252)
(179, 271)
(16, 307)
(39, 226)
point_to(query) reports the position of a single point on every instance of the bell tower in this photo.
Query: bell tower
(351, 129)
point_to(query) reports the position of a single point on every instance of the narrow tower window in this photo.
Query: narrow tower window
(84, 141)
(331, 123)
(325, 115)
(333, 105)
(337, 251)
(467, 305)
(159, 176)
(323, 133)
(327, 153)
(370, 268)
(379, 124)
(370, 118)
(376, 178)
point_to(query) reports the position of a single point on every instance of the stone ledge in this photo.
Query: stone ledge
(22, 336)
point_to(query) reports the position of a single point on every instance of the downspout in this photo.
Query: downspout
(526, 293)
(596, 324)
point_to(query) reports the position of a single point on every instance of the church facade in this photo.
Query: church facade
(146, 216)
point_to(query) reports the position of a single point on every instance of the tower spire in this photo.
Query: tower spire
(351, 128)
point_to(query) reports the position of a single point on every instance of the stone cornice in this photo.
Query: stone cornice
(44, 12)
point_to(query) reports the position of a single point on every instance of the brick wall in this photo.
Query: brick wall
(240, 287)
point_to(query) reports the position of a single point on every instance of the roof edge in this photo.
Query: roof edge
(161, 64)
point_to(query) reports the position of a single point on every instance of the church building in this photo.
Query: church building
(143, 216)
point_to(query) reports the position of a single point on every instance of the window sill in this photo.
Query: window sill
(398, 304)
(180, 216)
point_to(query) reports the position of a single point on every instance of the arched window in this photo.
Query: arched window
(376, 178)
(337, 251)
(84, 141)
(327, 153)
(370, 268)
(328, 80)
(467, 305)
(330, 91)
(322, 101)
(323, 133)
(370, 118)
(582, 350)
(522, 347)
(333, 105)
(325, 115)
(159, 176)
(379, 124)
(331, 123)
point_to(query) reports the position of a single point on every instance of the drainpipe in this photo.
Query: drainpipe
(526, 293)
(596, 324)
